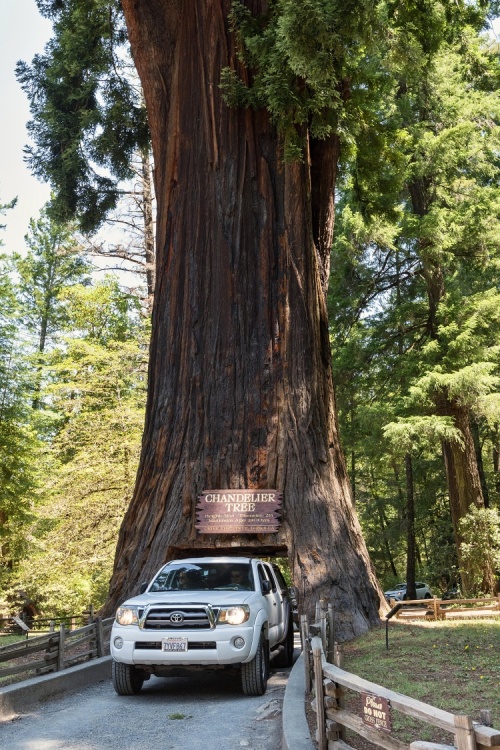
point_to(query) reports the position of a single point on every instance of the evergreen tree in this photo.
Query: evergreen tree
(426, 251)
(95, 382)
(88, 117)
(20, 450)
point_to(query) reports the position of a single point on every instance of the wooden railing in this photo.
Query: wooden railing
(329, 681)
(440, 609)
(56, 650)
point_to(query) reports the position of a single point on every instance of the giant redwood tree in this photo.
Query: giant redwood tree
(245, 106)
(240, 385)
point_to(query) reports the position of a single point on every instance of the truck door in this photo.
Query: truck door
(278, 598)
(270, 604)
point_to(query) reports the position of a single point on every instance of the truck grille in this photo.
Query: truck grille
(192, 645)
(176, 618)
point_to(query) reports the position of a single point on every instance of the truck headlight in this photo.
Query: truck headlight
(233, 615)
(127, 616)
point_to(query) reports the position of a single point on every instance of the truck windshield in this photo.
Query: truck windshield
(216, 576)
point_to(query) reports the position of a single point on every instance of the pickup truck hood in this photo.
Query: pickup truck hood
(191, 597)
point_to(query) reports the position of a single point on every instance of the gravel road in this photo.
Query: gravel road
(205, 711)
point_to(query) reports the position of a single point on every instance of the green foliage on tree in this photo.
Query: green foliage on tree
(53, 262)
(480, 548)
(88, 117)
(21, 456)
(414, 294)
(95, 383)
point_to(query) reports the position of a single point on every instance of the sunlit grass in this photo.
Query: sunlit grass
(454, 666)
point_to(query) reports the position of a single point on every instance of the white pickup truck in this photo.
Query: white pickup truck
(204, 613)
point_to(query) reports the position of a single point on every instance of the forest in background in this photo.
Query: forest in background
(414, 306)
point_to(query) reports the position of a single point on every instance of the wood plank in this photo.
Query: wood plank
(18, 653)
(77, 641)
(338, 745)
(423, 745)
(8, 671)
(410, 706)
(22, 644)
(377, 736)
(69, 660)
(486, 736)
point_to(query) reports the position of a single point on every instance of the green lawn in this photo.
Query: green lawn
(454, 666)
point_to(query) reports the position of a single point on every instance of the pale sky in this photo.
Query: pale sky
(23, 33)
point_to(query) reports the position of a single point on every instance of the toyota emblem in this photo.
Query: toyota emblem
(176, 618)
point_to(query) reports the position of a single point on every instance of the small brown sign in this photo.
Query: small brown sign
(376, 711)
(238, 511)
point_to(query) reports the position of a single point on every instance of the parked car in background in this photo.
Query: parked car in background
(398, 593)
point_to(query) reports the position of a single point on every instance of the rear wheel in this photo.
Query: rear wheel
(285, 656)
(254, 673)
(127, 679)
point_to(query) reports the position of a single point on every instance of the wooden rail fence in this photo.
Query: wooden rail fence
(56, 650)
(440, 609)
(329, 681)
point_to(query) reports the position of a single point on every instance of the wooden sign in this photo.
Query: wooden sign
(376, 711)
(238, 511)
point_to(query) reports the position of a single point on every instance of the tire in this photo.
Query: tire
(127, 679)
(285, 656)
(427, 596)
(254, 673)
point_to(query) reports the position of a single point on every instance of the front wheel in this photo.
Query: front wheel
(127, 679)
(254, 673)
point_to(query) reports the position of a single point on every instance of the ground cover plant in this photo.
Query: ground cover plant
(454, 666)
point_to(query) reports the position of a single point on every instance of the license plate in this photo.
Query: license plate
(174, 644)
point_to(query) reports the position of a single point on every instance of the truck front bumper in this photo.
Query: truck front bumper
(205, 647)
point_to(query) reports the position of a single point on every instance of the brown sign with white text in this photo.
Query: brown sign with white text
(238, 511)
(376, 711)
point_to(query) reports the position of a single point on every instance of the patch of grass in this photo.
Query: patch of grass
(454, 666)
(178, 716)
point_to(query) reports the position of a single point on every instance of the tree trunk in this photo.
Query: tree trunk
(411, 590)
(240, 386)
(464, 483)
(478, 449)
(383, 526)
(496, 459)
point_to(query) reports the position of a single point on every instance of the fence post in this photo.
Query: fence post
(322, 626)
(331, 634)
(317, 612)
(485, 714)
(304, 634)
(435, 608)
(338, 660)
(320, 702)
(52, 626)
(99, 637)
(464, 733)
(90, 612)
(60, 647)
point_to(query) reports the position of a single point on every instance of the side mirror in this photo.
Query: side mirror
(143, 587)
(265, 587)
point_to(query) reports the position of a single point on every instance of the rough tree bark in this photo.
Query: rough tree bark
(240, 387)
